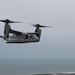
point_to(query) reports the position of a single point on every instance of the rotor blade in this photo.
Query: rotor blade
(51, 26)
(38, 25)
(15, 22)
(2, 20)
(44, 26)
(8, 21)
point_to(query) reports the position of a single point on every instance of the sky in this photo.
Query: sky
(55, 43)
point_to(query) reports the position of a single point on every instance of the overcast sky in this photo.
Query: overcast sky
(55, 43)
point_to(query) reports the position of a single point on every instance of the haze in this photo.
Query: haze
(55, 43)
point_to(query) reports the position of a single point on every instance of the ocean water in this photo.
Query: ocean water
(35, 66)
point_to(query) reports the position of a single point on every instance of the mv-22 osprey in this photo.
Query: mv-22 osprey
(20, 37)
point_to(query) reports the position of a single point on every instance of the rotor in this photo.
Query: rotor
(9, 21)
(41, 26)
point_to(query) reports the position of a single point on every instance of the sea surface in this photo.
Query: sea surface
(36, 66)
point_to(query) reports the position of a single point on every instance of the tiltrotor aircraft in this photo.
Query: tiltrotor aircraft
(20, 37)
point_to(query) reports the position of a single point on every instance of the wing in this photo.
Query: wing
(15, 32)
(33, 33)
